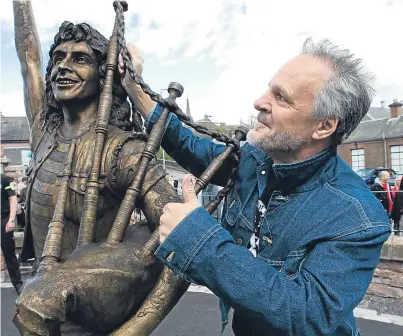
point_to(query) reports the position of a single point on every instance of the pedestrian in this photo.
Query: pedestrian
(397, 210)
(383, 191)
(8, 214)
(301, 233)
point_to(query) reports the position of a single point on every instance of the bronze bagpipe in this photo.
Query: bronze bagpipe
(84, 289)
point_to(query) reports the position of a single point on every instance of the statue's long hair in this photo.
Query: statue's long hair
(52, 115)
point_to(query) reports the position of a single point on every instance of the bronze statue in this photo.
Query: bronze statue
(91, 166)
(65, 110)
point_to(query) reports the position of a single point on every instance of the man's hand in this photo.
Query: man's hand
(141, 100)
(10, 226)
(127, 81)
(174, 213)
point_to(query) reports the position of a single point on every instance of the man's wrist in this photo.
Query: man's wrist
(142, 101)
(12, 220)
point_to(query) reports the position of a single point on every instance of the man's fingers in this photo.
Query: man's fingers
(121, 65)
(188, 188)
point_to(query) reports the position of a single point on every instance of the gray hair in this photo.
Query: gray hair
(347, 95)
(384, 173)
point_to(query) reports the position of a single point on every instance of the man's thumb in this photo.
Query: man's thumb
(188, 188)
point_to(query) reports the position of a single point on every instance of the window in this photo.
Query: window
(396, 155)
(18, 155)
(357, 159)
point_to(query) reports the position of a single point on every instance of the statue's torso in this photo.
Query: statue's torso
(43, 199)
(44, 176)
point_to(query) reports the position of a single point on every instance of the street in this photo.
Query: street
(196, 314)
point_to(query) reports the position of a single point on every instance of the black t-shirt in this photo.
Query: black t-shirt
(261, 210)
(7, 190)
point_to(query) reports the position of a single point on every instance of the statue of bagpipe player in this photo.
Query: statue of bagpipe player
(92, 165)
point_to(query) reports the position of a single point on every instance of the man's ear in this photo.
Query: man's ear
(325, 129)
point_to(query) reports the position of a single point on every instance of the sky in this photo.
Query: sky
(223, 52)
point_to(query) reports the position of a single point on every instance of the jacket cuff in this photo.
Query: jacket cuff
(187, 240)
(153, 116)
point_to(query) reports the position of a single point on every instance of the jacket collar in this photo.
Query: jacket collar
(299, 176)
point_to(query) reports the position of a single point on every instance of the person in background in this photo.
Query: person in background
(397, 210)
(22, 190)
(383, 191)
(21, 198)
(8, 213)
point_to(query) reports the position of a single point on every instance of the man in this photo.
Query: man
(383, 192)
(63, 109)
(8, 213)
(301, 233)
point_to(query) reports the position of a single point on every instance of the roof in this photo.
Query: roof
(373, 130)
(377, 113)
(14, 129)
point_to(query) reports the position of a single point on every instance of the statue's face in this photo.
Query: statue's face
(74, 74)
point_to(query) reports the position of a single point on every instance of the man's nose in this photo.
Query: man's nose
(262, 105)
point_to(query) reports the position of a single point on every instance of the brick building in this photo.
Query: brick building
(15, 147)
(377, 141)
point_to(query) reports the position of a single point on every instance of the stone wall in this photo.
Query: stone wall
(385, 293)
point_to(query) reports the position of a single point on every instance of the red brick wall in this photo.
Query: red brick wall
(373, 150)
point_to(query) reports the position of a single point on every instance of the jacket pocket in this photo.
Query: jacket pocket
(233, 208)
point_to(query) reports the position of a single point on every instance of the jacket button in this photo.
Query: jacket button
(171, 256)
(82, 187)
(263, 172)
(239, 241)
(268, 240)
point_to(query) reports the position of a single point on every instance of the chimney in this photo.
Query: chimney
(396, 109)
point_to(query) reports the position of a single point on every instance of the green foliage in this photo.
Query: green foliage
(159, 155)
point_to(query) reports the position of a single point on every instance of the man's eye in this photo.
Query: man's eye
(280, 98)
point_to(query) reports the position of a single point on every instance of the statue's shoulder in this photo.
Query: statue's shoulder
(122, 153)
(123, 148)
(126, 141)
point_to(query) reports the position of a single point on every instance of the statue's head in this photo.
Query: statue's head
(75, 74)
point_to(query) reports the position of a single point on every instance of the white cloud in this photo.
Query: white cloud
(12, 104)
(246, 49)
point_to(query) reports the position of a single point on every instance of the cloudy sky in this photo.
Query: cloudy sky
(223, 52)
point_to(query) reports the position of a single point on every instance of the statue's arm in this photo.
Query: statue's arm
(169, 287)
(29, 53)
(156, 192)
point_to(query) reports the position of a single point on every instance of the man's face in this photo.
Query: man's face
(285, 122)
(75, 72)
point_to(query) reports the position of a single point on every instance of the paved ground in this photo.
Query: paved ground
(196, 314)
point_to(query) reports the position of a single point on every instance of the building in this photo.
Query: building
(15, 146)
(377, 141)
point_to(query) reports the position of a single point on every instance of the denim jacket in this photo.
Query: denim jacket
(320, 240)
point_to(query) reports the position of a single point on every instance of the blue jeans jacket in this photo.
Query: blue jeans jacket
(320, 241)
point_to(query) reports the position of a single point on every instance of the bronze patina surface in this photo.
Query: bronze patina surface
(91, 166)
